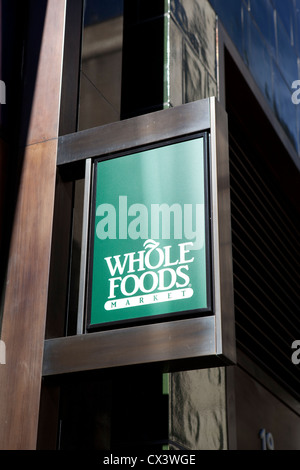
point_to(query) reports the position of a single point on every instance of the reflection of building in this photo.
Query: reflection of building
(128, 60)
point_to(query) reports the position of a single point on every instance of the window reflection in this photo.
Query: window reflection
(260, 62)
(263, 15)
(101, 66)
(285, 11)
(267, 35)
(287, 58)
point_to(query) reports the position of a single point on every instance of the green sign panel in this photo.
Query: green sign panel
(150, 235)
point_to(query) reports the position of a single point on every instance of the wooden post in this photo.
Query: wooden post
(25, 303)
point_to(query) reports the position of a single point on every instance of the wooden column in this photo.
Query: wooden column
(25, 303)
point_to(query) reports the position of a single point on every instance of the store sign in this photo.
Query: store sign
(156, 278)
(150, 254)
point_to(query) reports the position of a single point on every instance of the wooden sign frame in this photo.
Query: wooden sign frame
(174, 344)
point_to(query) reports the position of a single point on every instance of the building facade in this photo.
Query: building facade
(75, 70)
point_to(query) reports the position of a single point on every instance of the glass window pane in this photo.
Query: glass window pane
(260, 62)
(285, 11)
(287, 58)
(101, 67)
(263, 14)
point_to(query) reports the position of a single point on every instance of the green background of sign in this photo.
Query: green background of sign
(169, 174)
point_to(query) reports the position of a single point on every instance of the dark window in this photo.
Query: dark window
(143, 57)
(265, 237)
(128, 412)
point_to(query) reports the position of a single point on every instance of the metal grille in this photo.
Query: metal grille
(266, 266)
